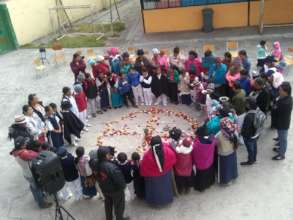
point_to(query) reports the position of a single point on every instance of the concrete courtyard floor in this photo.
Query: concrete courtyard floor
(262, 191)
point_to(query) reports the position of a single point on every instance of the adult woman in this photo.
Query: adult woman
(38, 115)
(177, 59)
(77, 65)
(156, 168)
(227, 157)
(203, 159)
(193, 65)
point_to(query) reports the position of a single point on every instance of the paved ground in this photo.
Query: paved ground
(263, 191)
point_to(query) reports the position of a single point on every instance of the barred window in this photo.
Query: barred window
(157, 4)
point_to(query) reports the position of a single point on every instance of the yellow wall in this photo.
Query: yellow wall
(31, 20)
(276, 12)
(225, 15)
(190, 18)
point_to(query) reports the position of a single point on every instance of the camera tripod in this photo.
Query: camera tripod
(60, 211)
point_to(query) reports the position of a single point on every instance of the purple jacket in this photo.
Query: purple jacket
(203, 153)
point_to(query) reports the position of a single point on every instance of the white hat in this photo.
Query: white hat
(155, 51)
(19, 119)
(100, 58)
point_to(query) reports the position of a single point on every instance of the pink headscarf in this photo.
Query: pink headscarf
(277, 51)
(113, 51)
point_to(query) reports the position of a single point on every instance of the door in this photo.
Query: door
(7, 37)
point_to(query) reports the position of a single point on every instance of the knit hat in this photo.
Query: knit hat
(113, 51)
(187, 142)
(19, 119)
(155, 51)
(77, 88)
(62, 152)
(100, 58)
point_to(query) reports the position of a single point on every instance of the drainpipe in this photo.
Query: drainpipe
(261, 16)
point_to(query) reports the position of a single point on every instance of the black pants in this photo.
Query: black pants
(183, 183)
(128, 96)
(116, 200)
(173, 92)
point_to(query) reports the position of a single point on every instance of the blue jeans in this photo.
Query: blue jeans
(251, 146)
(283, 135)
(37, 193)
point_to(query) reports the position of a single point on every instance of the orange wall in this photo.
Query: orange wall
(276, 12)
(225, 15)
(190, 18)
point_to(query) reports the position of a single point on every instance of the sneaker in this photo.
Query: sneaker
(278, 157)
(85, 129)
(94, 115)
(276, 149)
(88, 125)
(276, 139)
(247, 163)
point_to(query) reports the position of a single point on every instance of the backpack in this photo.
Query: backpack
(259, 121)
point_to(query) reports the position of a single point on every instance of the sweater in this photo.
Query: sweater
(203, 153)
(183, 166)
(133, 79)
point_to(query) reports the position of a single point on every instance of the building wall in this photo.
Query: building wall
(276, 12)
(225, 16)
(190, 18)
(31, 20)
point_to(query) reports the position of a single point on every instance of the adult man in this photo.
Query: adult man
(263, 96)
(24, 156)
(282, 113)
(19, 128)
(112, 184)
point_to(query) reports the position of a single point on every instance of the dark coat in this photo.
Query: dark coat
(159, 86)
(263, 100)
(248, 130)
(138, 181)
(69, 168)
(145, 62)
(110, 177)
(281, 113)
(72, 125)
(126, 170)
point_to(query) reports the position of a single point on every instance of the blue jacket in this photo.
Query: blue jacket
(245, 85)
(217, 74)
(208, 62)
(123, 87)
(133, 79)
(246, 65)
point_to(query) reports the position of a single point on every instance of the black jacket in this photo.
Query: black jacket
(72, 125)
(126, 170)
(159, 86)
(248, 130)
(16, 130)
(281, 113)
(110, 177)
(69, 168)
(263, 100)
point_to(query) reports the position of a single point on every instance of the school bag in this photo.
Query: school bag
(259, 121)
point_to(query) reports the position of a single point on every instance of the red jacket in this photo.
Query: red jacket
(193, 66)
(183, 166)
(24, 154)
(100, 68)
(81, 103)
(148, 166)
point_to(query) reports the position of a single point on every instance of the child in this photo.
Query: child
(193, 65)
(125, 167)
(55, 133)
(184, 89)
(81, 102)
(85, 172)
(56, 112)
(126, 63)
(116, 98)
(124, 89)
(183, 166)
(72, 124)
(173, 80)
(102, 85)
(138, 180)
(262, 53)
(91, 92)
(71, 176)
(68, 96)
(146, 82)
(244, 60)
(160, 87)
(133, 78)
(175, 135)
